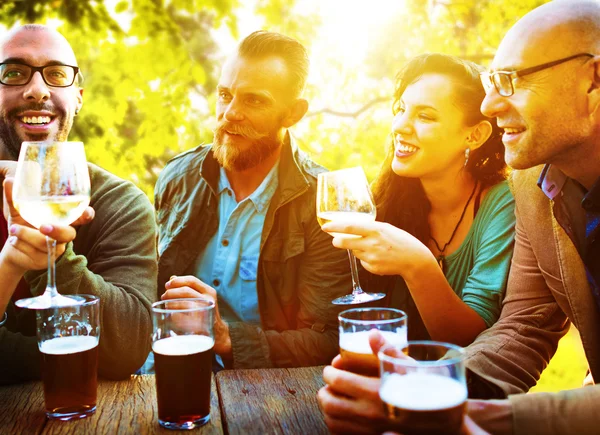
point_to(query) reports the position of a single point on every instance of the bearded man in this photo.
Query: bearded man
(238, 218)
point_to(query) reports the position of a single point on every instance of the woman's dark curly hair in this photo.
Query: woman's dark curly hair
(401, 201)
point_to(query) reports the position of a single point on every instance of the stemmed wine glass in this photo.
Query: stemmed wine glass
(344, 195)
(52, 186)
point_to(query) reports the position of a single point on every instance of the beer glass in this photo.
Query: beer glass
(68, 340)
(182, 343)
(344, 195)
(355, 325)
(423, 387)
(52, 186)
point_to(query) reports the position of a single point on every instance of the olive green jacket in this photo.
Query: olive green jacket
(299, 271)
(113, 257)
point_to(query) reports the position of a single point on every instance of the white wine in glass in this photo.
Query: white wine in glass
(344, 195)
(52, 186)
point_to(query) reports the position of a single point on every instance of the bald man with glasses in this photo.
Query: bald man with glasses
(112, 257)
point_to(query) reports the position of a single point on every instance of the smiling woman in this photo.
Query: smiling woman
(443, 250)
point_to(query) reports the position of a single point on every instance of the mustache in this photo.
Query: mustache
(37, 107)
(242, 130)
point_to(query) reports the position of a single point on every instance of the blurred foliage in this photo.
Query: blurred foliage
(151, 67)
(471, 29)
(568, 367)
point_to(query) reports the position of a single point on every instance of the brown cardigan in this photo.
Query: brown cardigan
(547, 288)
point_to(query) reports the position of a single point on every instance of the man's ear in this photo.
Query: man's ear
(79, 100)
(594, 88)
(480, 133)
(296, 112)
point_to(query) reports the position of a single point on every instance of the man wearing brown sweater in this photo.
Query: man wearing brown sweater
(113, 257)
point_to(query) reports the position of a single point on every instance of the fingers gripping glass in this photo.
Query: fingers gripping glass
(503, 80)
(52, 186)
(19, 74)
(344, 195)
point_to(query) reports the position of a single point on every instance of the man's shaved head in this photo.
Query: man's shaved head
(556, 29)
(23, 36)
(554, 114)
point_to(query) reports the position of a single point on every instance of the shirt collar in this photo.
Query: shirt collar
(552, 180)
(261, 197)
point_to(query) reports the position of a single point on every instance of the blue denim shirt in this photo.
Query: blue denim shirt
(230, 259)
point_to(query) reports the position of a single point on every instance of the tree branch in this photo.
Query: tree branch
(354, 114)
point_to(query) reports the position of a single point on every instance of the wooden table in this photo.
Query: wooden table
(265, 401)
(271, 401)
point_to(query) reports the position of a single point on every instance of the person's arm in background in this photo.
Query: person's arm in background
(510, 356)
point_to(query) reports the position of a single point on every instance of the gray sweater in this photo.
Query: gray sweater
(114, 258)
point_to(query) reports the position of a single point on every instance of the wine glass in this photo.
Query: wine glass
(344, 195)
(52, 186)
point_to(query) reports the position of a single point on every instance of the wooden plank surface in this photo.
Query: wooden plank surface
(22, 408)
(124, 407)
(271, 401)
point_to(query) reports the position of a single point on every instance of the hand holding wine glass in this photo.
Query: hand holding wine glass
(344, 196)
(52, 186)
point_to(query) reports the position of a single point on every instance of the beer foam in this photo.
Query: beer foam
(183, 345)
(358, 342)
(68, 345)
(422, 391)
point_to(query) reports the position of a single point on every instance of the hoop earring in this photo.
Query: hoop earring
(467, 152)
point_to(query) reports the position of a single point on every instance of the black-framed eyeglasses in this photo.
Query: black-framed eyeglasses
(503, 80)
(19, 74)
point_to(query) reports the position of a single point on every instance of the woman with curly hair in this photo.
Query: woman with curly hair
(442, 246)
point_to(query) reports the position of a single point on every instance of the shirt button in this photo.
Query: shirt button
(225, 242)
(216, 282)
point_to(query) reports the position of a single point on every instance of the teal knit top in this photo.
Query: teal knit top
(478, 269)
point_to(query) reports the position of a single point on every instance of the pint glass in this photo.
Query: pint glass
(68, 340)
(183, 343)
(355, 325)
(423, 387)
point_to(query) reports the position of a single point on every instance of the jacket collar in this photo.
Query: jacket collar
(291, 178)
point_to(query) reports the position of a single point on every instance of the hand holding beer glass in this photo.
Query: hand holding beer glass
(182, 343)
(68, 340)
(423, 387)
(52, 186)
(355, 326)
(344, 195)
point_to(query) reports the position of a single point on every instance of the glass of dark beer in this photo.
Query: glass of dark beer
(355, 325)
(423, 387)
(182, 343)
(68, 340)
